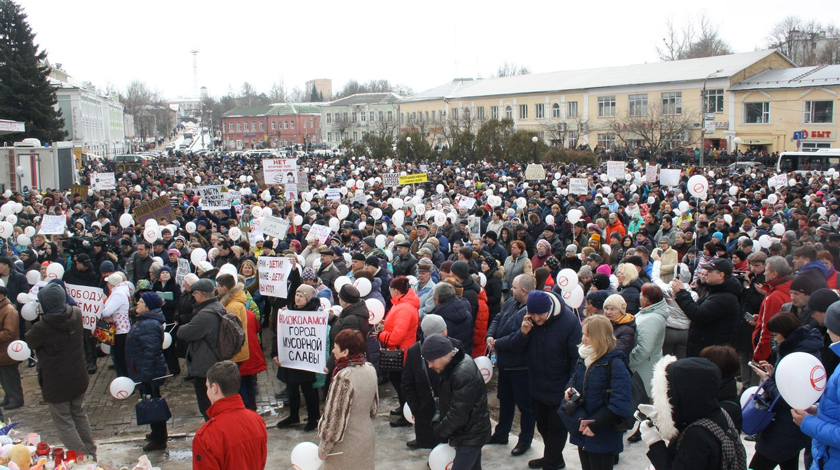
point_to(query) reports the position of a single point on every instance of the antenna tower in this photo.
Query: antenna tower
(194, 53)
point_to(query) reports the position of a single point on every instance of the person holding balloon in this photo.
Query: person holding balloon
(9, 372)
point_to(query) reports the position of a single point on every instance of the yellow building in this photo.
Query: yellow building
(594, 106)
(785, 110)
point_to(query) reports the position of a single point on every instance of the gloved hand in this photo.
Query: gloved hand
(649, 433)
(649, 411)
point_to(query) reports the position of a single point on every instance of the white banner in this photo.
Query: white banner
(535, 171)
(616, 169)
(321, 232)
(183, 270)
(302, 340)
(466, 203)
(578, 185)
(53, 225)
(91, 300)
(212, 198)
(669, 177)
(274, 276)
(274, 227)
(333, 194)
(280, 170)
(390, 180)
(103, 181)
(651, 173)
(777, 181)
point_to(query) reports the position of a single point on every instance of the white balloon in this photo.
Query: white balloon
(485, 367)
(698, 185)
(779, 229)
(765, 241)
(151, 234)
(18, 208)
(29, 231)
(380, 241)
(340, 282)
(549, 219)
(363, 285)
(32, 277)
(773, 198)
(334, 224)
(821, 210)
(801, 379)
(167, 340)
(482, 279)
(228, 268)
(440, 219)
(198, 255)
(574, 215)
(242, 179)
(265, 195)
(6, 229)
(727, 218)
(126, 220)
(441, 457)
(342, 212)
(747, 395)
(190, 227)
(235, 233)
(18, 350)
(733, 190)
(23, 240)
(376, 213)
(304, 206)
(7, 208)
(574, 297)
(398, 218)
(298, 220)
(23, 297)
(409, 416)
(567, 279)
(325, 303)
(29, 311)
(439, 189)
(121, 388)
(105, 348)
(683, 206)
(376, 309)
(55, 271)
(150, 223)
(12, 219)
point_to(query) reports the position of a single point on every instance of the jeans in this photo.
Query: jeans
(467, 458)
(513, 391)
(72, 425)
(10, 381)
(248, 391)
(118, 355)
(675, 342)
(591, 461)
(200, 386)
(553, 432)
(159, 433)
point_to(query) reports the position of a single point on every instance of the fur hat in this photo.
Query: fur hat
(616, 301)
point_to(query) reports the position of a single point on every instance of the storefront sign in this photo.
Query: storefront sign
(812, 134)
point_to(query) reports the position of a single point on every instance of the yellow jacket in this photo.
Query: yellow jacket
(234, 302)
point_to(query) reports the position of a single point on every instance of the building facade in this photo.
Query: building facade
(93, 121)
(600, 107)
(357, 115)
(322, 85)
(275, 126)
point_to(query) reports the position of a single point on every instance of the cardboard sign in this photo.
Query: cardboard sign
(102, 181)
(390, 180)
(333, 194)
(413, 179)
(274, 276)
(280, 170)
(274, 227)
(361, 199)
(616, 169)
(578, 185)
(91, 300)
(302, 340)
(302, 182)
(669, 177)
(474, 225)
(53, 225)
(423, 168)
(80, 189)
(174, 170)
(212, 198)
(651, 173)
(260, 179)
(183, 270)
(154, 209)
(535, 171)
(778, 181)
(466, 203)
(321, 232)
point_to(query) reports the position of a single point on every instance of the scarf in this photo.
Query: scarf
(351, 360)
(587, 354)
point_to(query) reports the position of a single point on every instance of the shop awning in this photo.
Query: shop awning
(756, 142)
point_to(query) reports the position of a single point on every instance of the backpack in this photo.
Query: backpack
(231, 336)
(733, 454)
(639, 395)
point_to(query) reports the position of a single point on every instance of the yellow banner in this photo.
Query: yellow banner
(412, 179)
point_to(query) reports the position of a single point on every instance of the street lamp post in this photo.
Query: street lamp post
(408, 140)
(535, 139)
(736, 141)
(703, 109)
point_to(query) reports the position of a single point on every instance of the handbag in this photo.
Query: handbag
(105, 332)
(390, 360)
(757, 414)
(152, 410)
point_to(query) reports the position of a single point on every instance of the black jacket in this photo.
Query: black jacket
(459, 322)
(76, 277)
(493, 288)
(471, 290)
(354, 317)
(405, 266)
(17, 283)
(57, 341)
(464, 414)
(503, 328)
(712, 316)
(631, 293)
(144, 348)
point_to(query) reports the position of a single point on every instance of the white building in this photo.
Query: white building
(93, 121)
(357, 115)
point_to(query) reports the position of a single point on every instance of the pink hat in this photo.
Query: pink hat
(604, 269)
(175, 252)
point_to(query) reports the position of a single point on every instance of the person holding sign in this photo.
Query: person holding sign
(298, 381)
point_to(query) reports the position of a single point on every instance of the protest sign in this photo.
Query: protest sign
(333, 194)
(651, 173)
(212, 198)
(535, 171)
(321, 232)
(616, 169)
(423, 168)
(389, 180)
(80, 189)
(280, 170)
(53, 225)
(578, 185)
(302, 339)
(274, 227)
(437, 200)
(413, 179)
(274, 274)
(466, 203)
(260, 180)
(91, 300)
(183, 270)
(302, 182)
(777, 181)
(154, 209)
(361, 199)
(101, 181)
(474, 224)
(669, 177)
(174, 170)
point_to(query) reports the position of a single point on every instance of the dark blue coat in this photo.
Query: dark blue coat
(144, 348)
(504, 327)
(456, 314)
(552, 351)
(606, 440)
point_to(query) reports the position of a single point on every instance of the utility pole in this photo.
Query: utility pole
(194, 53)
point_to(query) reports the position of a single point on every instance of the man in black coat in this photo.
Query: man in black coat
(461, 271)
(463, 417)
(15, 283)
(83, 274)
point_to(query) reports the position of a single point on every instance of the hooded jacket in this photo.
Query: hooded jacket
(234, 302)
(202, 334)
(824, 428)
(400, 328)
(471, 290)
(650, 335)
(503, 328)
(144, 348)
(456, 313)
(777, 295)
(817, 273)
(712, 315)
(464, 414)
(684, 392)
(353, 317)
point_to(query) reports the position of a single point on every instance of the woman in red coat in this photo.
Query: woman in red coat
(255, 364)
(400, 332)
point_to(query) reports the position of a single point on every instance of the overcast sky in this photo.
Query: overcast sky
(418, 44)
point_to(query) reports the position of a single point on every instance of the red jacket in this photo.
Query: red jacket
(482, 321)
(234, 437)
(617, 227)
(256, 360)
(400, 328)
(777, 295)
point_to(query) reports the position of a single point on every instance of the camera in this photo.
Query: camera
(76, 245)
(574, 402)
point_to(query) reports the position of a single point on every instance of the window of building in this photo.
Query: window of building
(390, 116)
(230, 127)
(261, 126)
(714, 101)
(434, 118)
(329, 136)
(254, 126)
(479, 113)
(523, 111)
(606, 106)
(466, 112)
(508, 112)
(355, 136)
(345, 116)
(539, 111)
(606, 140)
(819, 112)
(814, 146)
(757, 113)
(637, 105)
(304, 124)
(245, 126)
(273, 125)
(573, 137)
(454, 115)
(402, 118)
(427, 116)
(312, 123)
(494, 112)
(329, 118)
(291, 124)
(672, 103)
(285, 124)
(414, 116)
(355, 116)
(364, 116)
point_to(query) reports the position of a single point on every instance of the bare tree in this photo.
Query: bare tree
(277, 93)
(296, 95)
(806, 43)
(700, 38)
(510, 69)
(659, 127)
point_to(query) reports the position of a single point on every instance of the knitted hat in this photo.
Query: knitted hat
(106, 267)
(358, 257)
(432, 324)
(803, 285)
(601, 281)
(571, 248)
(308, 274)
(597, 298)
(636, 261)
(152, 300)
(461, 269)
(349, 294)
(435, 347)
(584, 271)
(490, 262)
(616, 301)
(307, 291)
(372, 261)
(491, 235)
(595, 237)
(552, 263)
(369, 241)
(446, 266)
(832, 316)
(538, 302)
(821, 299)
(604, 269)
(175, 252)
(544, 243)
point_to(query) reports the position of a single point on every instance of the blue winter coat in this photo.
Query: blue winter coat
(456, 313)
(824, 429)
(552, 353)
(504, 327)
(594, 390)
(144, 348)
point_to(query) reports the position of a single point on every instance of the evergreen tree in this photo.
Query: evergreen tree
(25, 92)
(313, 97)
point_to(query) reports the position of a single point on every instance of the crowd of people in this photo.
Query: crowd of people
(589, 305)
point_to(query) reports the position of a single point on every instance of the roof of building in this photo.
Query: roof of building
(800, 77)
(271, 110)
(367, 98)
(639, 74)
